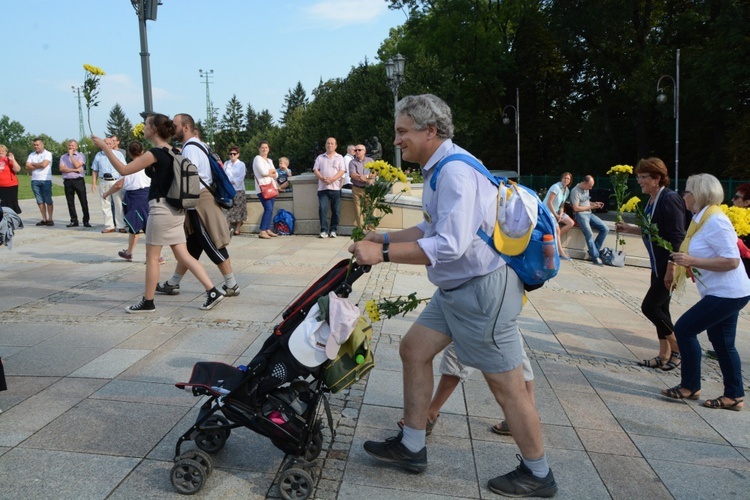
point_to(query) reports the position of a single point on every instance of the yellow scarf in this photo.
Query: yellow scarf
(681, 271)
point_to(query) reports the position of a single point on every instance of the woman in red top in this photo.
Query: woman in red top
(9, 167)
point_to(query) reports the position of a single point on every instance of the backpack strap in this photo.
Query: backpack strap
(208, 155)
(469, 160)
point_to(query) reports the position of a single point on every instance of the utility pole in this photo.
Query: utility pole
(81, 129)
(206, 75)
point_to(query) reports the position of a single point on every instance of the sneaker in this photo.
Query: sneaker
(213, 297)
(168, 289)
(597, 262)
(391, 450)
(333, 234)
(125, 255)
(324, 235)
(231, 292)
(522, 483)
(144, 306)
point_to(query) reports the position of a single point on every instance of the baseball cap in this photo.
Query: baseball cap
(516, 219)
(309, 340)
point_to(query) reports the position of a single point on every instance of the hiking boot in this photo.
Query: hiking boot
(231, 292)
(213, 297)
(391, 450)
(144, 306)
(522, 483)
(167, 288)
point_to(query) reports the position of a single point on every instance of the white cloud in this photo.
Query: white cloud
(346, 12)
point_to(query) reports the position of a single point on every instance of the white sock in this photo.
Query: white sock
(229, 280)
(175, 279)
(538, 467)
(413, 439)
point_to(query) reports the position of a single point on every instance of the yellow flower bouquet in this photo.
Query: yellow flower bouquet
(618, 175)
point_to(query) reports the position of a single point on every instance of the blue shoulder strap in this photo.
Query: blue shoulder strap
(474, 163)
(469, 160)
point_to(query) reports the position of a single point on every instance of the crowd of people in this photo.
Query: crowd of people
(467, 318)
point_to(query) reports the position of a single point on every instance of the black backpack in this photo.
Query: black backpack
(186, 187)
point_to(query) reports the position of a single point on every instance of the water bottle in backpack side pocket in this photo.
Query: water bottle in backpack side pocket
(548, 247)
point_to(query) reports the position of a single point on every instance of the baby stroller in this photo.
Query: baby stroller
(271, 396)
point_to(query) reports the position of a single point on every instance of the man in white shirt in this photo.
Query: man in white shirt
(103, 177)
(39, 164)
(347, 158)
(205, 225)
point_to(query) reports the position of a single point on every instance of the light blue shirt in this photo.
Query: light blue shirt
(463, 201)
(560, 194)
(102, 164)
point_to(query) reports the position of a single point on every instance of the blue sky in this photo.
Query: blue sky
(258, 50)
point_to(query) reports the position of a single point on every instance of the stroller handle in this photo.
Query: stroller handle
(354, 272)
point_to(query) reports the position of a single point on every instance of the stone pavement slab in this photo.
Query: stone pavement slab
(92, 411)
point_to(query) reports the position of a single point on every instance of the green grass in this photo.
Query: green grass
(25, 192)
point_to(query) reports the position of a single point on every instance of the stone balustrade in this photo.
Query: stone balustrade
(407, 212)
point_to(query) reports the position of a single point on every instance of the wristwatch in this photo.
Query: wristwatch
(386, 246)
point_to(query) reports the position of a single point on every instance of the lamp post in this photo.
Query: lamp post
(81, 129)
(662, 98)
(394, 75)
(206, 75)
(506, 121)
(146, 11)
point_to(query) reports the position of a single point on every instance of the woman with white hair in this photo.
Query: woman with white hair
(710, 247)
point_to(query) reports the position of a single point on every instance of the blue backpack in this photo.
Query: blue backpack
(539, 261)
(222, 187)
(283, 222)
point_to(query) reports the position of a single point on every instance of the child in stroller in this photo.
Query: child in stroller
(271, 396)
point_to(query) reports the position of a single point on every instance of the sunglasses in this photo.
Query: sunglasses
(233, 154)
(359, 150)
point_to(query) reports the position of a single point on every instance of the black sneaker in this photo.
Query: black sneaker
(231, 292)
(168, 289)
(213, 297)
(522, 483)
(393, 451)
(144, 306)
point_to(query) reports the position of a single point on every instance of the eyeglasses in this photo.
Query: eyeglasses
(737, 197)
(642, 177)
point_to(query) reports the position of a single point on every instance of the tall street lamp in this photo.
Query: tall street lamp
(206, 74)
(662, 98)
(146, 10)
(394, 75)
(506, 121)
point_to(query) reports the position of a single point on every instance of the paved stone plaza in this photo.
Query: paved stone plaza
(92, 411)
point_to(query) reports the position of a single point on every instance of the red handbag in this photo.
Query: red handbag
(269, 191)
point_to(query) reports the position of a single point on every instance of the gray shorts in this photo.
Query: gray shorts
(480, 316)
(450, 365)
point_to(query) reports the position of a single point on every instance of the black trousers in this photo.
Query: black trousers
(75, 187)
(655, 307)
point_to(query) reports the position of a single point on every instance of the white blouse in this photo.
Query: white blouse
(717, 238)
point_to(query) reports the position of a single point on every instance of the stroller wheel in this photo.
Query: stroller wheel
(316, 446)
(295, 484)
(211, 441)
(188, 476)
(201, 457)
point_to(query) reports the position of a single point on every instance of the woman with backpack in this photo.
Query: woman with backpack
(165, 223)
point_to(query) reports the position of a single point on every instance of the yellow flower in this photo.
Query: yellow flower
(631, 204)
(371, 306)
(138, 131)
(94, 70)
(620, 169)
(739, 217)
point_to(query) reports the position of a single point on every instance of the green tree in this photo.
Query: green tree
(232, 126)
(119, 125)
(295, 98)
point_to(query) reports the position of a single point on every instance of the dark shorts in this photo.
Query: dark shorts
(42, 192)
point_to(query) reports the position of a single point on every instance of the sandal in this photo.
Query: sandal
(236, 233)
(655, 362)
(676, 393)
(718, 403)
(501, 428)
(428, 429)
(675, 360)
